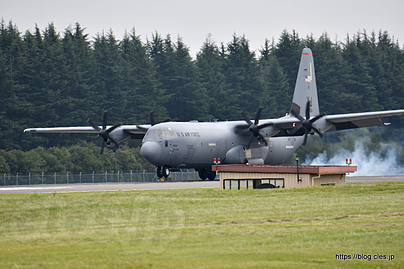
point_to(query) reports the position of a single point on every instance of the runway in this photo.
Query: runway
(370, 179)
(50, 188)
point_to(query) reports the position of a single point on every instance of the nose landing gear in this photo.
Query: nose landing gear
(163, 171)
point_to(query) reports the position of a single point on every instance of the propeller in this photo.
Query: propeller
(255, 128)
(307, 123)
(104, 132)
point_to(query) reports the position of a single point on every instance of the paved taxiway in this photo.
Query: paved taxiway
(155, 185)
(370, 179)
(107, 187)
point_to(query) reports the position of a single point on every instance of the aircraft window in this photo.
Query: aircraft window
(148, 133)
(165, 132)
(159, 132)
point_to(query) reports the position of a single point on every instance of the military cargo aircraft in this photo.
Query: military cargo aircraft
(174, 145)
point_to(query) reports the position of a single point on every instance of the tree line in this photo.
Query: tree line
(50, 78)
(76, 158)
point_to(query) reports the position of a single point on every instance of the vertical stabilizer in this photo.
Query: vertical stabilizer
(306, 88)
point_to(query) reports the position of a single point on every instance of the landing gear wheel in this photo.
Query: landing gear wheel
(203, 174)
(165, 171)
(211, 175)
(159, 173)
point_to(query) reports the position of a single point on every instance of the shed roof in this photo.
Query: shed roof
(286, 169)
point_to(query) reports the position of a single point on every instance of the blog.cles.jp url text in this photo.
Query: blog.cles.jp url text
(367, 257)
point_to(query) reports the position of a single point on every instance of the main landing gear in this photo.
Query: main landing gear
(206, 173)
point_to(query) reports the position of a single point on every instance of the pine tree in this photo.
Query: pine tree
(109, 77)
(288, 52)
(74, 102)
(209, 62)
(276, 94)
(242, 74)
(13, 101)
(331, 76)
(177, 76)
(187, 95)
(360, 82)
(140, 86)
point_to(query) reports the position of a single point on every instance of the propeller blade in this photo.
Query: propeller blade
(317, 117)
(308, 110)
(305, 138)
(295, 109)
(102, 148)
(93, 125)
(317, 131)
(257, 115)
(263, 138)
(151, 118)
(265, 125)
(245, 118)
(299, 118)
(104, 119)
(116, 125)
(251, 139)
(92, 139)
(241, 127)
(114, 141)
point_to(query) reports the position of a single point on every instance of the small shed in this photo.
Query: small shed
(281, 176)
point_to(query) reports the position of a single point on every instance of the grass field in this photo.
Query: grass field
(206, 228)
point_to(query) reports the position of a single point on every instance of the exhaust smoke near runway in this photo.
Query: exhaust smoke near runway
(369, 152)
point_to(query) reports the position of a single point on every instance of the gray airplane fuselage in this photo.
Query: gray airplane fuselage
(196, 145)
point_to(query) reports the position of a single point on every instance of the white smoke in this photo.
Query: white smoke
(382, 159)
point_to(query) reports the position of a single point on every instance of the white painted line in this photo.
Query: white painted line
(30, 188)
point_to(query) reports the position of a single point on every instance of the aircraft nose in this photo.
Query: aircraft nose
(151, 151)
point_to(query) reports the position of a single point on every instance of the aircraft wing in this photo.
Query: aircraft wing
(72, 130)
(136, 131)
(359, 120)
(285, 126)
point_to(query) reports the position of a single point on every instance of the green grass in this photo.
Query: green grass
(204, 228)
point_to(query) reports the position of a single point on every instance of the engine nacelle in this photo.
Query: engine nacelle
(235, 155)
(119, 135)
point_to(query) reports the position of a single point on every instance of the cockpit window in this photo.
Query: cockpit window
(148, 133)
(163, 132)
(167, 132)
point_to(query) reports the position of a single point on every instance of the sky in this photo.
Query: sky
(194, 20)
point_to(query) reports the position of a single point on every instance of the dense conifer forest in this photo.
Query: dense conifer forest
(50, 78)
